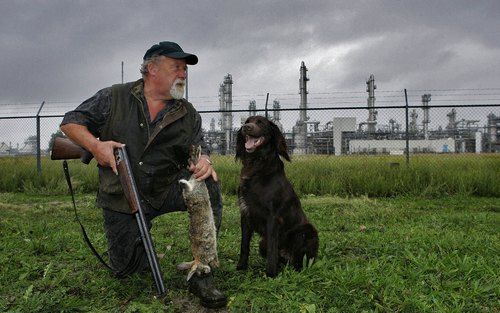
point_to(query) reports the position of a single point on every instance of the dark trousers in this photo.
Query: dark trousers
(125, 248)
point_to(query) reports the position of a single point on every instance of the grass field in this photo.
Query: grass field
(400, 254)
(373, 176)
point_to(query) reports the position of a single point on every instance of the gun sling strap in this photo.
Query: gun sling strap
(85, 236)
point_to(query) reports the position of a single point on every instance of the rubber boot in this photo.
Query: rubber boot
(203, 287)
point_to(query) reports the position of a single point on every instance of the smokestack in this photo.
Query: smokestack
(303, 92)
(276, 112)
(300, 129)
(426, 98)
(372, 113)
(252, 108)
(228, 101)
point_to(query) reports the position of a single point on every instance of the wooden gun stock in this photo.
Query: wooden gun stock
(65, 149)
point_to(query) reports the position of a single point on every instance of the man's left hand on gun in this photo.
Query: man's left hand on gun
(203, 169)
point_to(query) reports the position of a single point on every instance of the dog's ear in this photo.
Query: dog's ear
(240, 145)
(280, 141)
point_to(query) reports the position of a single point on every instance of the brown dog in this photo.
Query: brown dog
(268, 203)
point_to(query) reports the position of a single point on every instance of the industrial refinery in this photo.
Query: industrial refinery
(354, 135)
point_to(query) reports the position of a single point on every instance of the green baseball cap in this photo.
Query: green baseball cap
(172, 50)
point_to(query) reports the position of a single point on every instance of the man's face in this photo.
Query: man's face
(170, 76)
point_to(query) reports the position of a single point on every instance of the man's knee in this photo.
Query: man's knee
(125, 249)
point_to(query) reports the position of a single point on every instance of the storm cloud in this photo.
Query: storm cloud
(67, 50)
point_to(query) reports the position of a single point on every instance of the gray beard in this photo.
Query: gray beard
(176, 91)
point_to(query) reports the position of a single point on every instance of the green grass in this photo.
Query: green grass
(402, 254)
(373, 176)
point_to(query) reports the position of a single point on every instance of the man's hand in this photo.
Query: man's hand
(203, 169)
(103, 152)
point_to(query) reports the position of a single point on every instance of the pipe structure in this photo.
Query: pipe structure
(228, 102)
(426, 98)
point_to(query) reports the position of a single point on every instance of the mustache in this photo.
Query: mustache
(180, 82)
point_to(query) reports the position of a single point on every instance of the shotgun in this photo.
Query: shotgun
(64, 149)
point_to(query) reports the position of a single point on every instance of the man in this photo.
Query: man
(158, 126)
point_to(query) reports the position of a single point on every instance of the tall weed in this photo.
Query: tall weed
(373, 176)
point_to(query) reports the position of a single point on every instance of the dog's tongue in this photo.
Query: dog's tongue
(252, 143)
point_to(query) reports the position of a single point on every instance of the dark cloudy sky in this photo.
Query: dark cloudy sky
(67, 50)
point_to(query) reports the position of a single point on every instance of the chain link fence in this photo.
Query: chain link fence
(401, 128)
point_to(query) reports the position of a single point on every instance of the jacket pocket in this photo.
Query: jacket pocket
(109, 182)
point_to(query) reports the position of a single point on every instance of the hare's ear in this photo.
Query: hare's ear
(280, 141)
(194, 154)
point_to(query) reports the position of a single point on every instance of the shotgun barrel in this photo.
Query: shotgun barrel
(65, 149)
(132, 195)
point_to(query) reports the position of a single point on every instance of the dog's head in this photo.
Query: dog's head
(260, 136)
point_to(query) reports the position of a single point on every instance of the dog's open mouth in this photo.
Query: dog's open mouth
(251, 143)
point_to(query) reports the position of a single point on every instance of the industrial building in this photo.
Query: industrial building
(346, 136)
(29, 148)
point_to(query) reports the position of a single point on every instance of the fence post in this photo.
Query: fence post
(38, 150)
(407, 132)
(267, 99)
